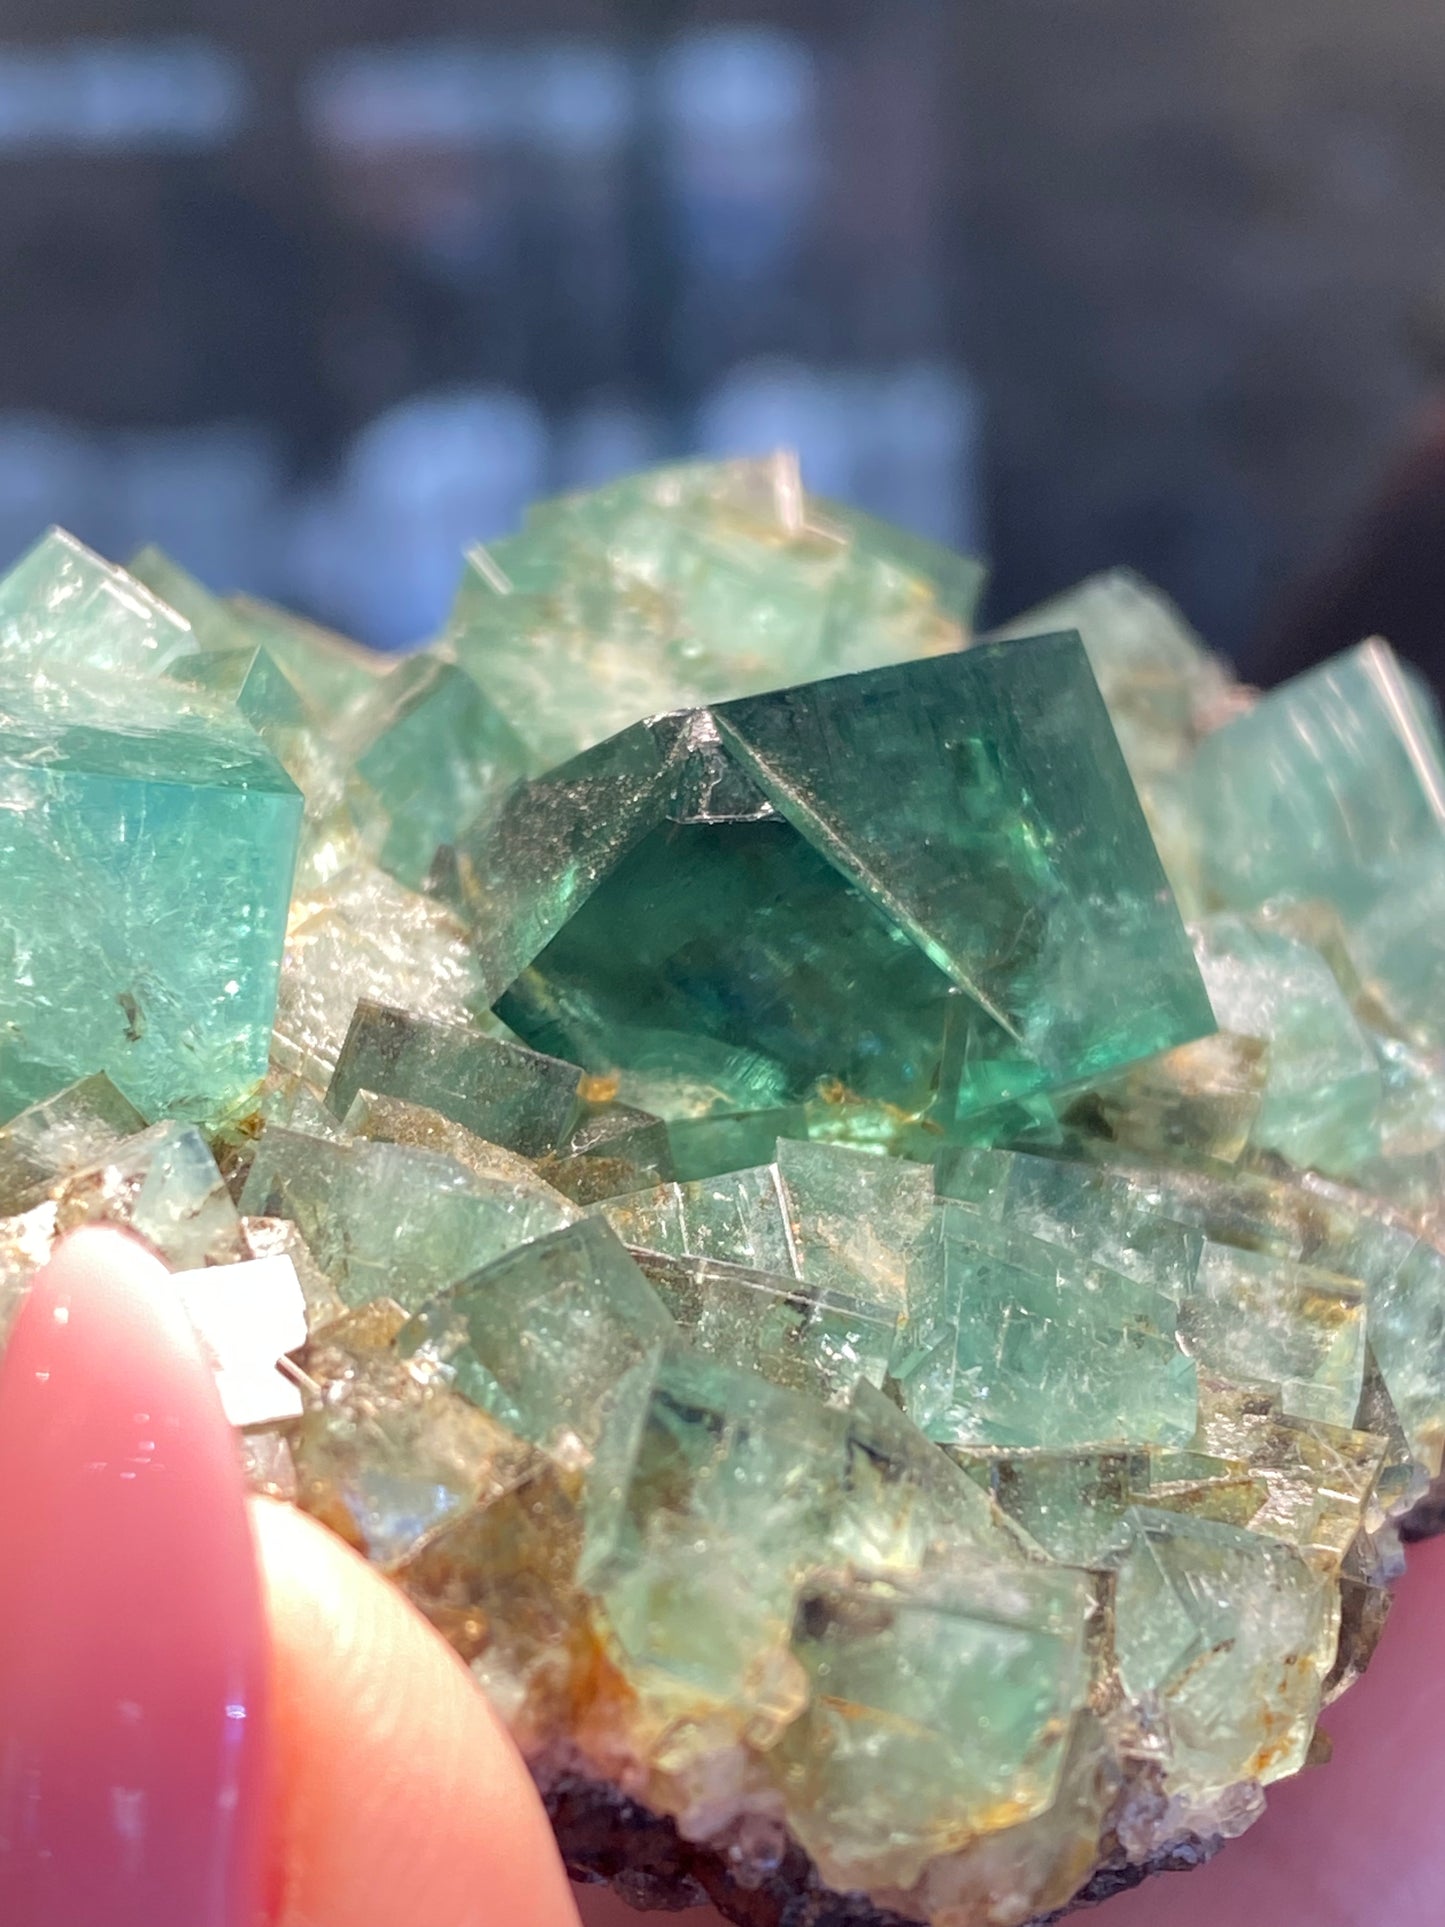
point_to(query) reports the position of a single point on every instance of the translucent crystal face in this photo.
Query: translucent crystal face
(65, 612)
(391, 1221)
(846, 1350)
(504, 1094)
(146, 859)
(435, 752)
(690, 586)
(879, 886)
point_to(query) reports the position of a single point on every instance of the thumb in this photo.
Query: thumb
(209, 1712)
(399, 1796)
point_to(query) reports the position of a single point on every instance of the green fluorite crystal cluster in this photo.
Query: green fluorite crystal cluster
(868, 1200)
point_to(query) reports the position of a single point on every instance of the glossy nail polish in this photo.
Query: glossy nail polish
(133, 1659)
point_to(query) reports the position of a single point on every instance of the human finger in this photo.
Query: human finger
(400, 1797)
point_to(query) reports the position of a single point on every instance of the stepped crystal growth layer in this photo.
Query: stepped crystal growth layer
(865, 1204)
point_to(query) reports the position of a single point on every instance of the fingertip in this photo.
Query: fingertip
(134, 1727)
(91, 1248)
(400, 1795)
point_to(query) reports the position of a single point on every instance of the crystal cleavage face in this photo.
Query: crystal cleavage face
(928, 889)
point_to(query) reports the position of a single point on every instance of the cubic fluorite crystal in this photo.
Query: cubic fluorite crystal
(688, 586)
(146, 856)
(896, 1342)
(921, 891)
(148, 842)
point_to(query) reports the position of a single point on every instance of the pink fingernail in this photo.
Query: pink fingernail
(133, 1657)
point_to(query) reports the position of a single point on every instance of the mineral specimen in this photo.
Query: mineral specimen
(503, 1093)
(434, 750)
(905, 1418)
(922, 890)
(147, 844)
(688, 586)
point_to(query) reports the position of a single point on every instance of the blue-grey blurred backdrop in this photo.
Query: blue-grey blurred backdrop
(315, 291)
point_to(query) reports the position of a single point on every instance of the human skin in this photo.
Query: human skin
(399, 1797)
(396, 1796)
(215, 1713)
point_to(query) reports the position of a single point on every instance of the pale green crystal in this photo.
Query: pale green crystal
(1071, 1504)
(702, 1508)
(1075, 1206)
(1407, 1332)
(1338, 1231)
(741, 1218)
(214, 625)
(1252, 1317)
(1037, 1865)
(689, 585)
(386, 1220)
(435, 752)
(1075, 1505)
(898, 576)
(1323, 1087)
(252, 683)
(1014, 1342)
(940, 1708)
(1258, 1319)
(234, 663)
(1409, 1167)
(499, 1091)
(1199, 1103)
(65, 612)
(146, 858)
(611, 1152)
(59, 1136)
(1394, 948)
(905, 1505)
(331, 672)
(856, 1219)
(1323, 787)
(1334, 787)
(816, 1341)
(1235, 1634)
(542, 1338)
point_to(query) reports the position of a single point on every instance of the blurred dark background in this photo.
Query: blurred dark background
(315, 291)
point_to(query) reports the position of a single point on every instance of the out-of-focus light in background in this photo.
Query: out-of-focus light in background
(316, 297)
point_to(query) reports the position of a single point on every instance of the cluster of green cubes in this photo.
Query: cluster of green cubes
(867, 1198)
